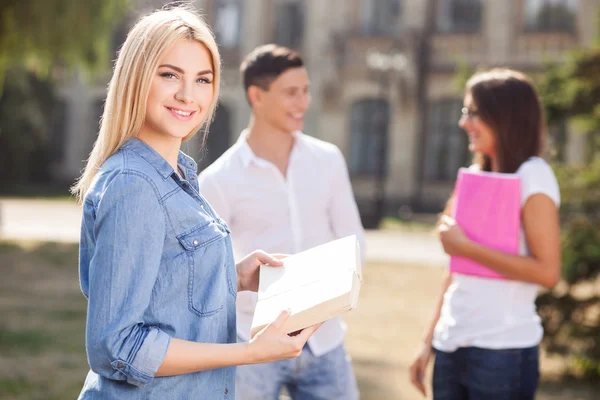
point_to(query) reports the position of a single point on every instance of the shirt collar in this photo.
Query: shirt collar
(157, 161)
(247, 155)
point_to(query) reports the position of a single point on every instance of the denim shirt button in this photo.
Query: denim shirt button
(120, 366)
(196, 242)
(226, 391)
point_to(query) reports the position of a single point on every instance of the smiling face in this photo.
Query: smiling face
(481, 136)
(181, 92)
(285, 102)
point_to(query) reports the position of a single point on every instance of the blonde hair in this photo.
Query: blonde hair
(125, 106)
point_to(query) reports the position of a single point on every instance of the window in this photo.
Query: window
(97, 111)
(118, 38)
(447, 144)
(227, 22)
(381, 16)
(550, 15)
(457, 16)
(59, 130)
(369, 121)
(289, 23)
(217, 141)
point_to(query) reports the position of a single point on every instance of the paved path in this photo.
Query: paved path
(59, 221)
(52, 220)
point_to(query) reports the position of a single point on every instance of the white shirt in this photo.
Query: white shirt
(314, 204)
(496, 313)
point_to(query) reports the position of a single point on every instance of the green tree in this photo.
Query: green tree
(571, 90)
(38, 34)
(38, 37)
(571, 314)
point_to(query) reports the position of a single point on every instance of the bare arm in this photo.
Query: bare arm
(270, 344)
(185, 357)
(541, 226)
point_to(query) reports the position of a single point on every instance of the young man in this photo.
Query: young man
(284, 192)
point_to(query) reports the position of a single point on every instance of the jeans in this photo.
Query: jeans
(472, 373)
(328, 377)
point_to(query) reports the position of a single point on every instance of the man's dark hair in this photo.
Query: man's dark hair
(265, 63)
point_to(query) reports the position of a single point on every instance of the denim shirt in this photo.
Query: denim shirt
(155, 263)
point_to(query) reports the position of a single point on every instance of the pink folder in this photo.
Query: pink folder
(488, 209)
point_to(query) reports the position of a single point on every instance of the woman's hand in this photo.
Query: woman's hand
(418, 368)
(272, 343)
(452, 237)
(248, 267)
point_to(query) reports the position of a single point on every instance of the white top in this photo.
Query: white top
(313, 205)
(496, 313)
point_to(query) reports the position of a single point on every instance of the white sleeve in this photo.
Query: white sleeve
(343, 211)
(209, 188)
(537, 177)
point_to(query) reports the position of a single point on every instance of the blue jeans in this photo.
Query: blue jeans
(472, 373)
(328, 377)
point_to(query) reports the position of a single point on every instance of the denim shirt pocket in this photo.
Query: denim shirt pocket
(206, 253)
(231, 268)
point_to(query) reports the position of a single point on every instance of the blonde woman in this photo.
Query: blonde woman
(156, 262)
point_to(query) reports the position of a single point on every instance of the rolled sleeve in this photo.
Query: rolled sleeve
(129, 230)
(148, 357)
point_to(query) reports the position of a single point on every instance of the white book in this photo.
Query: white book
(316, 285)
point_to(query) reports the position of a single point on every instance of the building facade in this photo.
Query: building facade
(383, 80)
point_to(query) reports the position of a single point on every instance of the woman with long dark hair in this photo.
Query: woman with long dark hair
(485, 332)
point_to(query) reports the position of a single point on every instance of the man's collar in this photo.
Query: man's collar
(247, 155)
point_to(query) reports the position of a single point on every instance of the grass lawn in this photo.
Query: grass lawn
(36, 191)
(42, 354)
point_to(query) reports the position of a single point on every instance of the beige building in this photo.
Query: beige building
(383, 80)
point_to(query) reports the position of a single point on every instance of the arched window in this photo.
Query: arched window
(369, 125)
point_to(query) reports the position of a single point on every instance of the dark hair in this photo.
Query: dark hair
(265, 63)
(508, 103)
